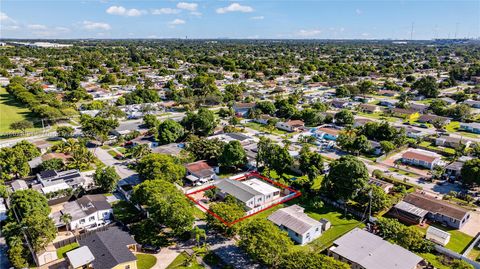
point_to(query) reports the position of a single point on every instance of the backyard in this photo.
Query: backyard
(184, 261)
(61, 251)
(458, 240)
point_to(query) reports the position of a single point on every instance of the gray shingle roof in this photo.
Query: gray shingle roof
(372, 252)
(237, 189)
(109, 247)
(294, 219)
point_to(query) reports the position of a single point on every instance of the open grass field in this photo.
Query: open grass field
(11, 111)
(145, 261)
(181, 262)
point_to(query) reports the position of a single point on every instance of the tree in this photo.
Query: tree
(160, 166)
(166, 205)
(150, 121)
(344, 117)
(365, 86)
(387, 146)
(303, 259)
(81, 157)
(408, 237)
(266, 107)
(27, 149)
(66, 218)
(426, 86)
(65, 131)
(201, 123)
(471, 172)
(273, 156)
(97, 127)
(169, 131)
(264, 241)
(229, 212)
(21, 125)
(106, 178)
(17, 253)
(206, 149)
(342, 91)
(347, 176)
(379, 199)
(138, 151)
(311, 163)
(52, 164)
(233, 155)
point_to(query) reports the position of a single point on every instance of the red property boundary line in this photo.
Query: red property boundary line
(252, 174)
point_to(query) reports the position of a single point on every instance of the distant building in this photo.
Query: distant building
(385, 186)
(451, 142)
(470, 127)
(364, 250)
(368, 108)
(429, 118)
(291, 125)
(299, 226)
(422, 158)
(417, 207)
(200, 172)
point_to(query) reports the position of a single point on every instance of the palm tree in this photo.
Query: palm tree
(66, 218)
(139, 151)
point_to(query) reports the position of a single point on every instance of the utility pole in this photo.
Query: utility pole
(411, 31)
(456, 30)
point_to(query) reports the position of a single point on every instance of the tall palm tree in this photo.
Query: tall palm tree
(66, 218)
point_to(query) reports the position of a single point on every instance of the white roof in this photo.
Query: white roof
(437, 232)
(260, 186)
(80, 256)
(56, 187)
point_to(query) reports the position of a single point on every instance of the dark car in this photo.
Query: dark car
(150, 249)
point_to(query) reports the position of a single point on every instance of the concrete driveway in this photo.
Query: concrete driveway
(122, 170)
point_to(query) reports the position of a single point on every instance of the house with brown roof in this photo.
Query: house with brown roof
(422, 158)
(429, 118)
(437, 210)
(327, 133)
(452, 142)
(200, 172)
(291, 125)
(368, 108)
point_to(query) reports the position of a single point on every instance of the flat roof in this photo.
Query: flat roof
(80, 256)
(260, 186)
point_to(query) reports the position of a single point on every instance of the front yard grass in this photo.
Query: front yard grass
(262, 128)
(145, 261)
(431, 146)
(61, 251)
(182, 261)
(12, 111)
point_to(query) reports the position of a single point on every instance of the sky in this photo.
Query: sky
(265, 19)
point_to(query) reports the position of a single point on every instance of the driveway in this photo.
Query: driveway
(122, 170)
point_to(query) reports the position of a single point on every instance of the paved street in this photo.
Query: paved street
(122, 170)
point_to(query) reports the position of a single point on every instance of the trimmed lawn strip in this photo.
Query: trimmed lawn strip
(61, 251)
(180, 262)
(145, 261)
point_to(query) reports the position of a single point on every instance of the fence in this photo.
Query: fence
(80, 236)
(455, 255)
(474, 243)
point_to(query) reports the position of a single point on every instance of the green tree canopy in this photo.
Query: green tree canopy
(160, 166)
(169, 131)
(233, 155)
(471, 172)
(106, 178)
(347, 176)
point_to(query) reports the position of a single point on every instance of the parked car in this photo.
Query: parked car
(150, 249)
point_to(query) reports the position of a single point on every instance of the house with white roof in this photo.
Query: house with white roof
(300, 227)
(252, 193)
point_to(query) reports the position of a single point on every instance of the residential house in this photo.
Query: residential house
(42, 145)
(244, 139)
(359, 122)
(388, 93)
(422, 158)
(472, 103)
(252, 192)
(339, 103)
(200, 172)
(242, 109)
(87, 212)
(18, 185)
(291, 125)
(263, 119)
(454, 169)
(299, 226)
(402, 112)
(368, 108)
(417, 207)
(385, 186)
(364, 250)
(145, 140)
(327, 133)
(470, 127)
(429, 118)
(37, 161)
(449, 101)
(413, 133)
(111, 249)
(53, 181)
(390, 103)
(420, 108)
(451, 142)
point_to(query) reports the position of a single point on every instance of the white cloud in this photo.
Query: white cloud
(358, 11)
(257, 18)
(119, 10)
(177, 22)
(309, 33)
(91, 25)
(37, 27)
(6, 19)
(165, 10)
(234, 7)
(196, 13)
(187, 6)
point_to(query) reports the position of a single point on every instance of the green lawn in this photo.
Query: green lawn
(401, 172)
(61, 251)
(180, 263)
(262, 128)
(454, 126)
(458, 240)
(145, 261)
(433, 260)
(12, 111)
(378, 116)
(340, 226)
(431, 146)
